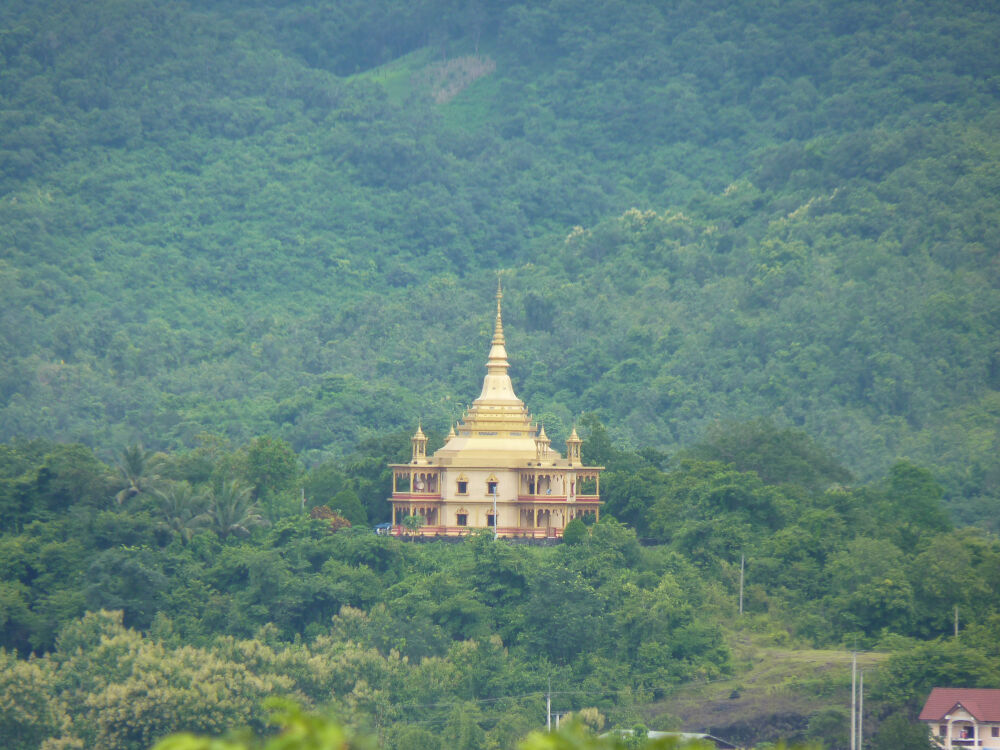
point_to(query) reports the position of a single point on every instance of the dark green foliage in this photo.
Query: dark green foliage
(776, 455)
(271, 467)
(900, 731)
(832, 728)
(575, 532)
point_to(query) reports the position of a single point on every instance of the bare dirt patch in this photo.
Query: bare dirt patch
(445, 80)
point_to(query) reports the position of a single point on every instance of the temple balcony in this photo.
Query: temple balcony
(541, 499)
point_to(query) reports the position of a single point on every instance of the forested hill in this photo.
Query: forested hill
(285, 218)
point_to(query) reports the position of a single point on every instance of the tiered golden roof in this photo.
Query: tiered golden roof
(497, 424)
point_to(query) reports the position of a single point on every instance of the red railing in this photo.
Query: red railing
(507, 531)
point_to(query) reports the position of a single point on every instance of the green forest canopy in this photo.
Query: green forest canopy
(284, 218)
(749, 249)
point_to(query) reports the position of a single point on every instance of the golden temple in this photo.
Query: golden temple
(496, 470)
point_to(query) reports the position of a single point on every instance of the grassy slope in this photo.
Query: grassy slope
(769, 681)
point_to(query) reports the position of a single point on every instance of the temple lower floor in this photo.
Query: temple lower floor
(530, 520)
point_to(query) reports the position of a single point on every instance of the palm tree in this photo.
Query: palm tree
(231, 510)
(137, 469)
(180, 507)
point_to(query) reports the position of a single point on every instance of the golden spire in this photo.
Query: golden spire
(451, 432)
(498, 327)
(497, 363)
(497, 388)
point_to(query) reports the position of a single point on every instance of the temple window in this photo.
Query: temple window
(491, 520)
(462, 519)
(491, 488)
(463, 487)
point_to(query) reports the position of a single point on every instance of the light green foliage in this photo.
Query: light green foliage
(31, 709)
(576, 736)
(297, 730)
(412, 523)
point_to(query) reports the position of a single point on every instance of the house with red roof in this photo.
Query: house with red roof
(963, 717)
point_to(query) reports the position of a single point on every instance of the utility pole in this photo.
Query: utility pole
(854, 699)
(742, 566)
(548, 707)
(861, 711)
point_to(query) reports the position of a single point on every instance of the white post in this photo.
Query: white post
(496, 520)
(742, 565)
(548, 707)
(854, 699)
(861, 711)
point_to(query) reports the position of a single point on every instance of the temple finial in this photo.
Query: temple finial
(498, 327)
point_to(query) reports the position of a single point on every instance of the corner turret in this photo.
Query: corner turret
(573, 444)
(419, 443)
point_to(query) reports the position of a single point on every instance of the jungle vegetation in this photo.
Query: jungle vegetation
(749, 249)
(286, 218)
(217, 585)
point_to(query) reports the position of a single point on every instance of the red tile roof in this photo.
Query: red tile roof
(983, 704)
